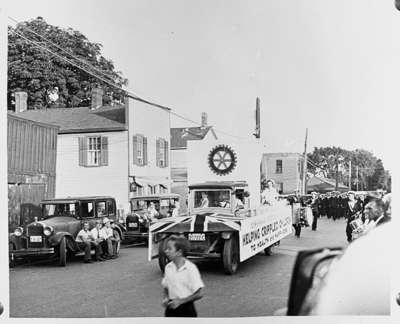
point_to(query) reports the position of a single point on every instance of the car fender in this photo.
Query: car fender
(19, 242)
(121, 229)
(55, 240)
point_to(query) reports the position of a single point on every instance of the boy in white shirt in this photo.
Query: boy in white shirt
(182, 281)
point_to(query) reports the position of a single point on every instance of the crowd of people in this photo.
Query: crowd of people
(100, 238)
(362, 210)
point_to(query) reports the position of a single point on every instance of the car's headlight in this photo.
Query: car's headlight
(47, 231)
(18, 231)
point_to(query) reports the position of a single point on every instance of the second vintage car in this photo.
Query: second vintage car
(137, 222)
(54, 232)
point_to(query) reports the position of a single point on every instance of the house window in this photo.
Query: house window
(162, 153)
(93, 151)
(139, 150)
(278, 166)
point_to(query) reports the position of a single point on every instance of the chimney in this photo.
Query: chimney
(97, 98)
(21, 101)
(203, 119)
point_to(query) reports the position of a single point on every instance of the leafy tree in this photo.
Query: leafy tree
(371, 175)
(51, 81)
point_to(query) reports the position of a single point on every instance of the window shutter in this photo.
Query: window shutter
(166, 153)
(82, 151)
(158, 152)
(104, 151)
(134, 152)
(144, 150)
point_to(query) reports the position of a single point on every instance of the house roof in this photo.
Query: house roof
(180, 136)
(80, 119)
(319, 183)
(282, 155)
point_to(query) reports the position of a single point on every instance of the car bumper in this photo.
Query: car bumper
(132, 235)
(29, 252)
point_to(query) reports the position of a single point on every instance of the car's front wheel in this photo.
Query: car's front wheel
(11, 248)
(230, 255)
(62, 252)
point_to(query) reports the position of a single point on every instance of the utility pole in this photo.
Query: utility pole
(357, 176)
(350, 175)
(257, 132)
(305, 165)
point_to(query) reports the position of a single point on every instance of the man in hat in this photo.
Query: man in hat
(86, 241)
(107, 234)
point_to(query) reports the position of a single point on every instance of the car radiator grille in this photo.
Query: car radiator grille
(36, 231)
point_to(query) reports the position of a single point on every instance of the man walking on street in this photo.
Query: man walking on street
(182, 282)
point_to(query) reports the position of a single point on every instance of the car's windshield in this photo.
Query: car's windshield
(212, 198)
(141, 204)
(66, 209)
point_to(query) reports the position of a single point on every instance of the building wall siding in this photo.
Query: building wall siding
(75, 180)
(31, 155)
(290, 176)
(153, 123)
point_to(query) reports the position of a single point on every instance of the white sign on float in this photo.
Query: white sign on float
(259, 232)
(244, 166)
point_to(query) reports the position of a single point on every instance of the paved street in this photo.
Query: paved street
(130, 286)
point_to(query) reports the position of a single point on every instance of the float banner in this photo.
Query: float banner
(259, 232)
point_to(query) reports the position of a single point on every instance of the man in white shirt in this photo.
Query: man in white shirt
(107, 234)
(182, 282)
(85, 241)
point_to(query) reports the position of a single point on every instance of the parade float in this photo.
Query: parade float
(225, 219)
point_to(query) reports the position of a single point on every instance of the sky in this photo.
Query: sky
(330, 66)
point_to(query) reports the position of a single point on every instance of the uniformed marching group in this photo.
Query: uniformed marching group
(351, 206)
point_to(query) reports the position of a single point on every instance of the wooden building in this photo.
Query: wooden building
(32, 149)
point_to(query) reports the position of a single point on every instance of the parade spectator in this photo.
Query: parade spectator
(86, 241)
(269, 195)
(182, 282)
(355, 285)
(375, 213)
(96, 233)
(107, 234)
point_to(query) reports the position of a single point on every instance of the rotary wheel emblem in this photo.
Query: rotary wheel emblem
(222, 160)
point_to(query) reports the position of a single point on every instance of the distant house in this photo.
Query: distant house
(121, 151)
(179, 138)
(31, 155)
(285, 169)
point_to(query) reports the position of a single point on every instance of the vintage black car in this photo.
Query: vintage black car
(137, 222)
(53, 233)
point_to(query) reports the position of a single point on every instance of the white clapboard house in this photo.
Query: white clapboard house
(121, 151)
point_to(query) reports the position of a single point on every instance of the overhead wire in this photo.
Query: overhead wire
(20, 24)
(130, 93)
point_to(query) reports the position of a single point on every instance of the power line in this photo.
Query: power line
(60, 48)
(131, 94)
